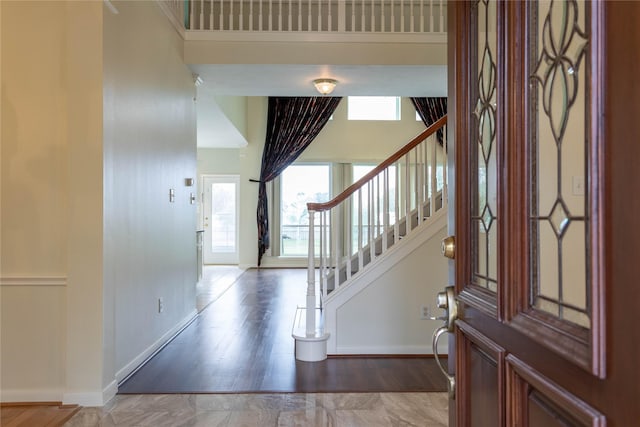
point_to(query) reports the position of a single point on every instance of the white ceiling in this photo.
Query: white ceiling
(296, 80)
(215, 130)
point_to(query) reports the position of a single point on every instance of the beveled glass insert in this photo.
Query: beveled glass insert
(484, 180)
(558, 138)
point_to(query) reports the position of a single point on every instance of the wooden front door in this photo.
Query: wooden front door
(544, 119)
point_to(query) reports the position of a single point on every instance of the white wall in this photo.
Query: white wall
(150, 147)
(95, 132)
(340, 141)
(384, 318)
(51, 273)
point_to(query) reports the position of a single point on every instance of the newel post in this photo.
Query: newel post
(311, 279)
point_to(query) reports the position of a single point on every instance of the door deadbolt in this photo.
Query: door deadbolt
(449, 247)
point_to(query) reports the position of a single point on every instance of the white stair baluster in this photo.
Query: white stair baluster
(360, 260)
(349, 239)
(445, 190)
(407, 191)
(220, 15)
(353, 15)
(393, 17)
(412, 18)
(373, 17)
(250, 15)
(371, 211)
(431, 29)
(433, 165)
(192, 12)
(336, 235)
(419, 183)
(385, 208)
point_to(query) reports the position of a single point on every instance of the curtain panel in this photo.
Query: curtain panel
(430, 111)
(292, 124)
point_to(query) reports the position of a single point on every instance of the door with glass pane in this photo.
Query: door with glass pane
(220, 218)
(544, 124)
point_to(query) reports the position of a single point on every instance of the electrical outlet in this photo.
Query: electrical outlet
(160, 305)
(424, 312)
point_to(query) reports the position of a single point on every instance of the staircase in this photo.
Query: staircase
(363, 225)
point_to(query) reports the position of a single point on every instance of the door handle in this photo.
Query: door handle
(447, 302)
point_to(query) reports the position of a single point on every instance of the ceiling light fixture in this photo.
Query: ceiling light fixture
(325, 86)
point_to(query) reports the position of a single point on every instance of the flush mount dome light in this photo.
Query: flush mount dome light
(325, 86)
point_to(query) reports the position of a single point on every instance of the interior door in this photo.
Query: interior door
(220, 218)
(544, 127)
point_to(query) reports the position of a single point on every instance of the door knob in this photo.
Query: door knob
(446, 300)
(449, 247)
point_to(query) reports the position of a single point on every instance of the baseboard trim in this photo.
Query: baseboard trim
(384, 356)
(139, 361)
(32, 396)
(110, 391)
(88, 398)
(389, 351)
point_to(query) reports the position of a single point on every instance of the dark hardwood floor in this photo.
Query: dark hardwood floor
(241, 343)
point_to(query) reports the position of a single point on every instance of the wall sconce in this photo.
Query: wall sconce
(325, 86)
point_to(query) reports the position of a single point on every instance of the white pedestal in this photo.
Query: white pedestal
(311, 349)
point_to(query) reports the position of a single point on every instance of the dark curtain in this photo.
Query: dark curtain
(292, 124)
(430, 111)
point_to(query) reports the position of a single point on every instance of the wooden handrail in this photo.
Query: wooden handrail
(320, 207)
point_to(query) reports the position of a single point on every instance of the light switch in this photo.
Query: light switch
(577, 185)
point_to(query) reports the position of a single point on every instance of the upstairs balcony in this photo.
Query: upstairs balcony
(310, 20)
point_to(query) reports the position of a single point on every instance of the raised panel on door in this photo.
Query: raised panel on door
(480, 378)
(537, 401)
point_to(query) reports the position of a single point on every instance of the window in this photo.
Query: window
(373, 108)
(300, 184)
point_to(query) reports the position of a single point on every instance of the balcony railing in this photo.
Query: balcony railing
(311, 16)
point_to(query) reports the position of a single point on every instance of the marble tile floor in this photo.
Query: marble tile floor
(263, 410)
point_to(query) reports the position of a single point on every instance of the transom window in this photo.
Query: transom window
(373, 108)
